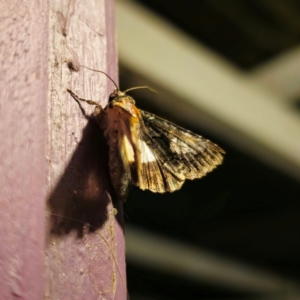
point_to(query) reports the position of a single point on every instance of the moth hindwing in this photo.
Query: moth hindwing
(148, 151)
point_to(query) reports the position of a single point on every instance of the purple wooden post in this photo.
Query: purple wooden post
(23, 96)
(51, 154)
(85, 246)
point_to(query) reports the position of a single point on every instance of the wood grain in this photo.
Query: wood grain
(85, 242)
(23, 94)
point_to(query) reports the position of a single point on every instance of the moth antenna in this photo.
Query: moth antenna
(102, 73)
(140, 87)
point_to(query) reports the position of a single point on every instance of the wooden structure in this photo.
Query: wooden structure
(53, 157)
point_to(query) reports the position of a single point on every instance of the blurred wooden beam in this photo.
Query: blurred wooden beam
(281, 76)
(248, 115)
(166, 255)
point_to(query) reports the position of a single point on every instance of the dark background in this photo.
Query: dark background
(245, 210)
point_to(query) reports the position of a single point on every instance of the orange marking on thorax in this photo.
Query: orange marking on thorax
(135, 114)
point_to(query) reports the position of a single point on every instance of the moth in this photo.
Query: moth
(148, 151)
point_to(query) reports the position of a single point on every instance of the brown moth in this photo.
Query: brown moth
(148, 151)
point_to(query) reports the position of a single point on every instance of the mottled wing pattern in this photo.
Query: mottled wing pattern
(179, 155)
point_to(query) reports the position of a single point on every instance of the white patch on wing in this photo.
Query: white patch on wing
(127, 150)
(146, 153)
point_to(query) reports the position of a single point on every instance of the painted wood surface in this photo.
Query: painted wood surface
(23, 99)
(85, 246)
(53, 161)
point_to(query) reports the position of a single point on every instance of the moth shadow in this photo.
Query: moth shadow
(83, 195)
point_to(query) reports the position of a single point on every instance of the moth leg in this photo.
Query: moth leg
(91, 102)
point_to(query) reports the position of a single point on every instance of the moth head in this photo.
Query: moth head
(118, 96)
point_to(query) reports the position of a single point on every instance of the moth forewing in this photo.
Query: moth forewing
(181, 153)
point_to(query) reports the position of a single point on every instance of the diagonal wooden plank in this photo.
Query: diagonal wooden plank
(194, 263)
(248, 115)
